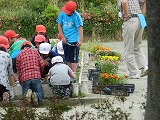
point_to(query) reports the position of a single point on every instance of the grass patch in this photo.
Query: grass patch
(89, 44)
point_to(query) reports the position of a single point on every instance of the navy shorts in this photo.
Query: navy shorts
(71, 52)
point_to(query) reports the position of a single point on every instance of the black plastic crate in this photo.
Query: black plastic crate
(93, 74)
(125, 89)
(130, 86)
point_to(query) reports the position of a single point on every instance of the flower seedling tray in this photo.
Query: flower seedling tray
(125, 89)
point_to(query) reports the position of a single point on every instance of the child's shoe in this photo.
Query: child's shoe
(5, 97)
(27, 98)
(34, 98)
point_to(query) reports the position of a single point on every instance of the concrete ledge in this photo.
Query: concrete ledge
(84, 87)
(17, 91)
(93, 99)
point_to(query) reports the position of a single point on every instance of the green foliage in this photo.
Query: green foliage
(55, 111)
(101, 20)
(14, 113)
(91, 42)
(36, 5)
(99, 16)
(108, 66)
(51, 12)
(111, 79)
(108, 53)
(108, 112)
(104, 109)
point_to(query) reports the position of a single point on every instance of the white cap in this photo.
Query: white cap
(44, 48)
(56, 59)
(60, 48)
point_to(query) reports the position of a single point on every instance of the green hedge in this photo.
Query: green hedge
(100, 17)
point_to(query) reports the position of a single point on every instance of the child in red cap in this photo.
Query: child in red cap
(40, 30)
(30, 66)
(70, 26)
(5, 70)
(15, 47)
(38, 40)
(4, 40)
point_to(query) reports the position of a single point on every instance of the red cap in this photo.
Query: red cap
(26, 42)
(4, 40)
(39, 38)
(40, 28)
(10, 34)
(2, 45)
(59, 36)
(69, 7)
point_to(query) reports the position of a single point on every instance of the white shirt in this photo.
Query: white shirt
(59, 74)
(5, 68)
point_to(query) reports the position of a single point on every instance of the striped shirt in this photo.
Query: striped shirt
(133, 6)
(29, 64)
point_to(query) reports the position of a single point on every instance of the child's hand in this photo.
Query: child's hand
(14, 84)
(79, 43)
(46, 63)
(64, 40)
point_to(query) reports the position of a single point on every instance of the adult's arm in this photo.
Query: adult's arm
(125, 9)
(144, 7)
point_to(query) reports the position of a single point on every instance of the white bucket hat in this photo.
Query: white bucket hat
(56, 59)
(60, 48)
(44, 48)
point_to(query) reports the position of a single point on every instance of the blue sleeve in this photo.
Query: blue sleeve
(78, 20)
(59, 19)
(54, 48)
(53, 54)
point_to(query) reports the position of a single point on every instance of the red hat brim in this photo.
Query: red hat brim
(15, 35)
(66, 11)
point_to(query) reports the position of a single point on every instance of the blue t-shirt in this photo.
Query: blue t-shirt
(70, 25)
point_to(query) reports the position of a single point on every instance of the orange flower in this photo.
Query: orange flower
(126, 76)
(103, 75)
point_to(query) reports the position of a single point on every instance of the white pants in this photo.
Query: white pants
(132, 36)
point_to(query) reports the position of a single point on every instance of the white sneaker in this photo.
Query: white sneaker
(34, 98)
(27, 98)
(144, 71)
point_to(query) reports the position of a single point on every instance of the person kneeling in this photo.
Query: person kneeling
(30, 66)
(60, 78)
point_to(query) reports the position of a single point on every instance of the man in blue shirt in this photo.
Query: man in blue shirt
(70, 27)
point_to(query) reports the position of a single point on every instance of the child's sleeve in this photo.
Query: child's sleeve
(59, 19)
(10, 67)
(78, 20)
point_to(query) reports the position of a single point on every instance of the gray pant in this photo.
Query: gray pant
(132, 36)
